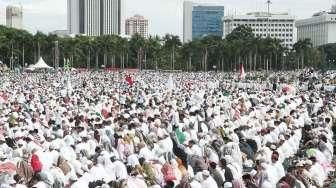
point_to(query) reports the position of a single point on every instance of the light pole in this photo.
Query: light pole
(268, 16)
(283, 61)
(56, 55)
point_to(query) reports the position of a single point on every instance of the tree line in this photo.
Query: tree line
(19, 48)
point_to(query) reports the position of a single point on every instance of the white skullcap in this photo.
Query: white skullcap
(308, 162)
(205, 173)
(263, 165)
(101, 160)
(227, 185)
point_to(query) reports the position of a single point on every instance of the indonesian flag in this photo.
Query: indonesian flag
(129, 80)
(242, 72)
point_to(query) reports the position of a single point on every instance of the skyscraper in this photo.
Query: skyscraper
(92, 17)
(136, 24)
(95, 17)
(14, 17)
(202, 19)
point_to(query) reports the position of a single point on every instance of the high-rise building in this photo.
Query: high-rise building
(136, 24)
(73, 10)
(263, 24)
(14, 17)
(95, 17)
(92, 19)
(320, 28)
(202, 19)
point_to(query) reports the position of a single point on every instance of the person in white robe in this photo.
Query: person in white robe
(208, 181)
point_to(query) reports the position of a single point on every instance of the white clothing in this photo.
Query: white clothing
(209, 183)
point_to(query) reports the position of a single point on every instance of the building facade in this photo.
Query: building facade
(202, 19)
(95, 17)
(14, 17)
(279, 26)
(320, 29)
(92, 19)
(137, 24)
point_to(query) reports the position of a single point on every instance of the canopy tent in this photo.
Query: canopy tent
(40, 65)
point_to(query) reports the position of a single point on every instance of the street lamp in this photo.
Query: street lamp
(283, 60)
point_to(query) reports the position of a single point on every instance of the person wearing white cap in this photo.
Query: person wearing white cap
(118, 168)
(263, 176)
(275, 169)
(317, 172)
(208, 181)
(228, 185)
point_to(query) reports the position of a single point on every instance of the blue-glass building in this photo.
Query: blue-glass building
(207, 20)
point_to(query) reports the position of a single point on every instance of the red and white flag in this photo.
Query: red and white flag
(242, 72)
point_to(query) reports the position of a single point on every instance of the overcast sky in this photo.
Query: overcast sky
(165, 16)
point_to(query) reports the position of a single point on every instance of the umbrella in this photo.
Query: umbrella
(8, 167)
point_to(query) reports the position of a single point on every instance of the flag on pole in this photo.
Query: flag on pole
(242, 72)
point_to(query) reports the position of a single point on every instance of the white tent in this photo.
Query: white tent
(40, 65)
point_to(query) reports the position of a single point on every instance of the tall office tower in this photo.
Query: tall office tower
(202, 19)
(137, 24)
(111, 17)
(95, 17)
(264, 24)
(75, 16)
(92, 17)
(14, 17)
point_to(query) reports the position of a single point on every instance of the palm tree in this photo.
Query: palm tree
(301, 47)
(40, 40)
(123, 50)
(172, 42)
(137, 44)
(153, 48)
(86, 46)
(187, 51)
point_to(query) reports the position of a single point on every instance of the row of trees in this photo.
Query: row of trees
(20, 48)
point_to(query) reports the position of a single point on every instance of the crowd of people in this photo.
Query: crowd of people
(156, 129)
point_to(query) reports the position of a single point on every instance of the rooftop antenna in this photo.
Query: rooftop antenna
(256, 6)
(268, 15)
(269, 2)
